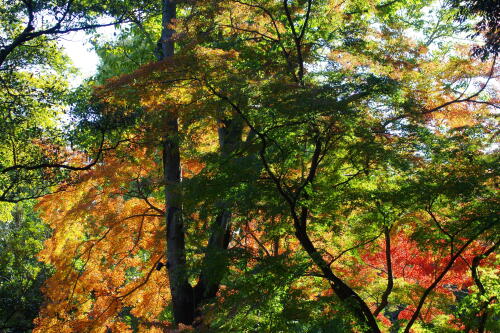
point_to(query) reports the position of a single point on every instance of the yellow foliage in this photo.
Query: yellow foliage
(99, 248)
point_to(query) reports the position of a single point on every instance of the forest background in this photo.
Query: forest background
(250, 166)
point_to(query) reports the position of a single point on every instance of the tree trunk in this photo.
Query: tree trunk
(390, 279)
(209, 281)
(180, 288)
(210, 276)
(185, 298)
(475, 276)
(345, 293)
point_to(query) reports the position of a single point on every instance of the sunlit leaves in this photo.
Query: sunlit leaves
(346, 132)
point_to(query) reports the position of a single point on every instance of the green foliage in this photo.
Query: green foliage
(133, 47)
(318, 126)
(21, 274)
(272, 298)
(473, 306)
(34, 93)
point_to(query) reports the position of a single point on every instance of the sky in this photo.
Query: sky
(78, 48)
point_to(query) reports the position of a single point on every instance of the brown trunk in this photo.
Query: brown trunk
(390, 280)
(209, 281)
(484, 306)
(180, 288)
(345, 293)
(210, 277)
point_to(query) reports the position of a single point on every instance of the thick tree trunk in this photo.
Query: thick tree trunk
(209, 281)
(211, 275)
(185, 298)
(180, 288)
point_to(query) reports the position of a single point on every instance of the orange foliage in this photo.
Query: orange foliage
(104, 248)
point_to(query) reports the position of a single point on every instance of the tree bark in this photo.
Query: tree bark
(475, 275)
(390, 280)
(209, 280)
(180, 288)
(345, 293)
(186, 299)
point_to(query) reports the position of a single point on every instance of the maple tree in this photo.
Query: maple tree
(35, 92)
(281, 166)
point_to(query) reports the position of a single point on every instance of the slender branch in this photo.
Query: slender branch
(469, 99)
(258, 241)
(338, 256)
(390, 279)
(440, 227)
(263, 139)
(59, 165)
(298, 38)
(439, 278)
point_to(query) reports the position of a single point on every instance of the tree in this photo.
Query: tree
(34, 144)
(488, 15)
(33, 77)
(21, 274)
(354, 128)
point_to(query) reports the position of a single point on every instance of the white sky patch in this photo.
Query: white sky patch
(78, 47)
